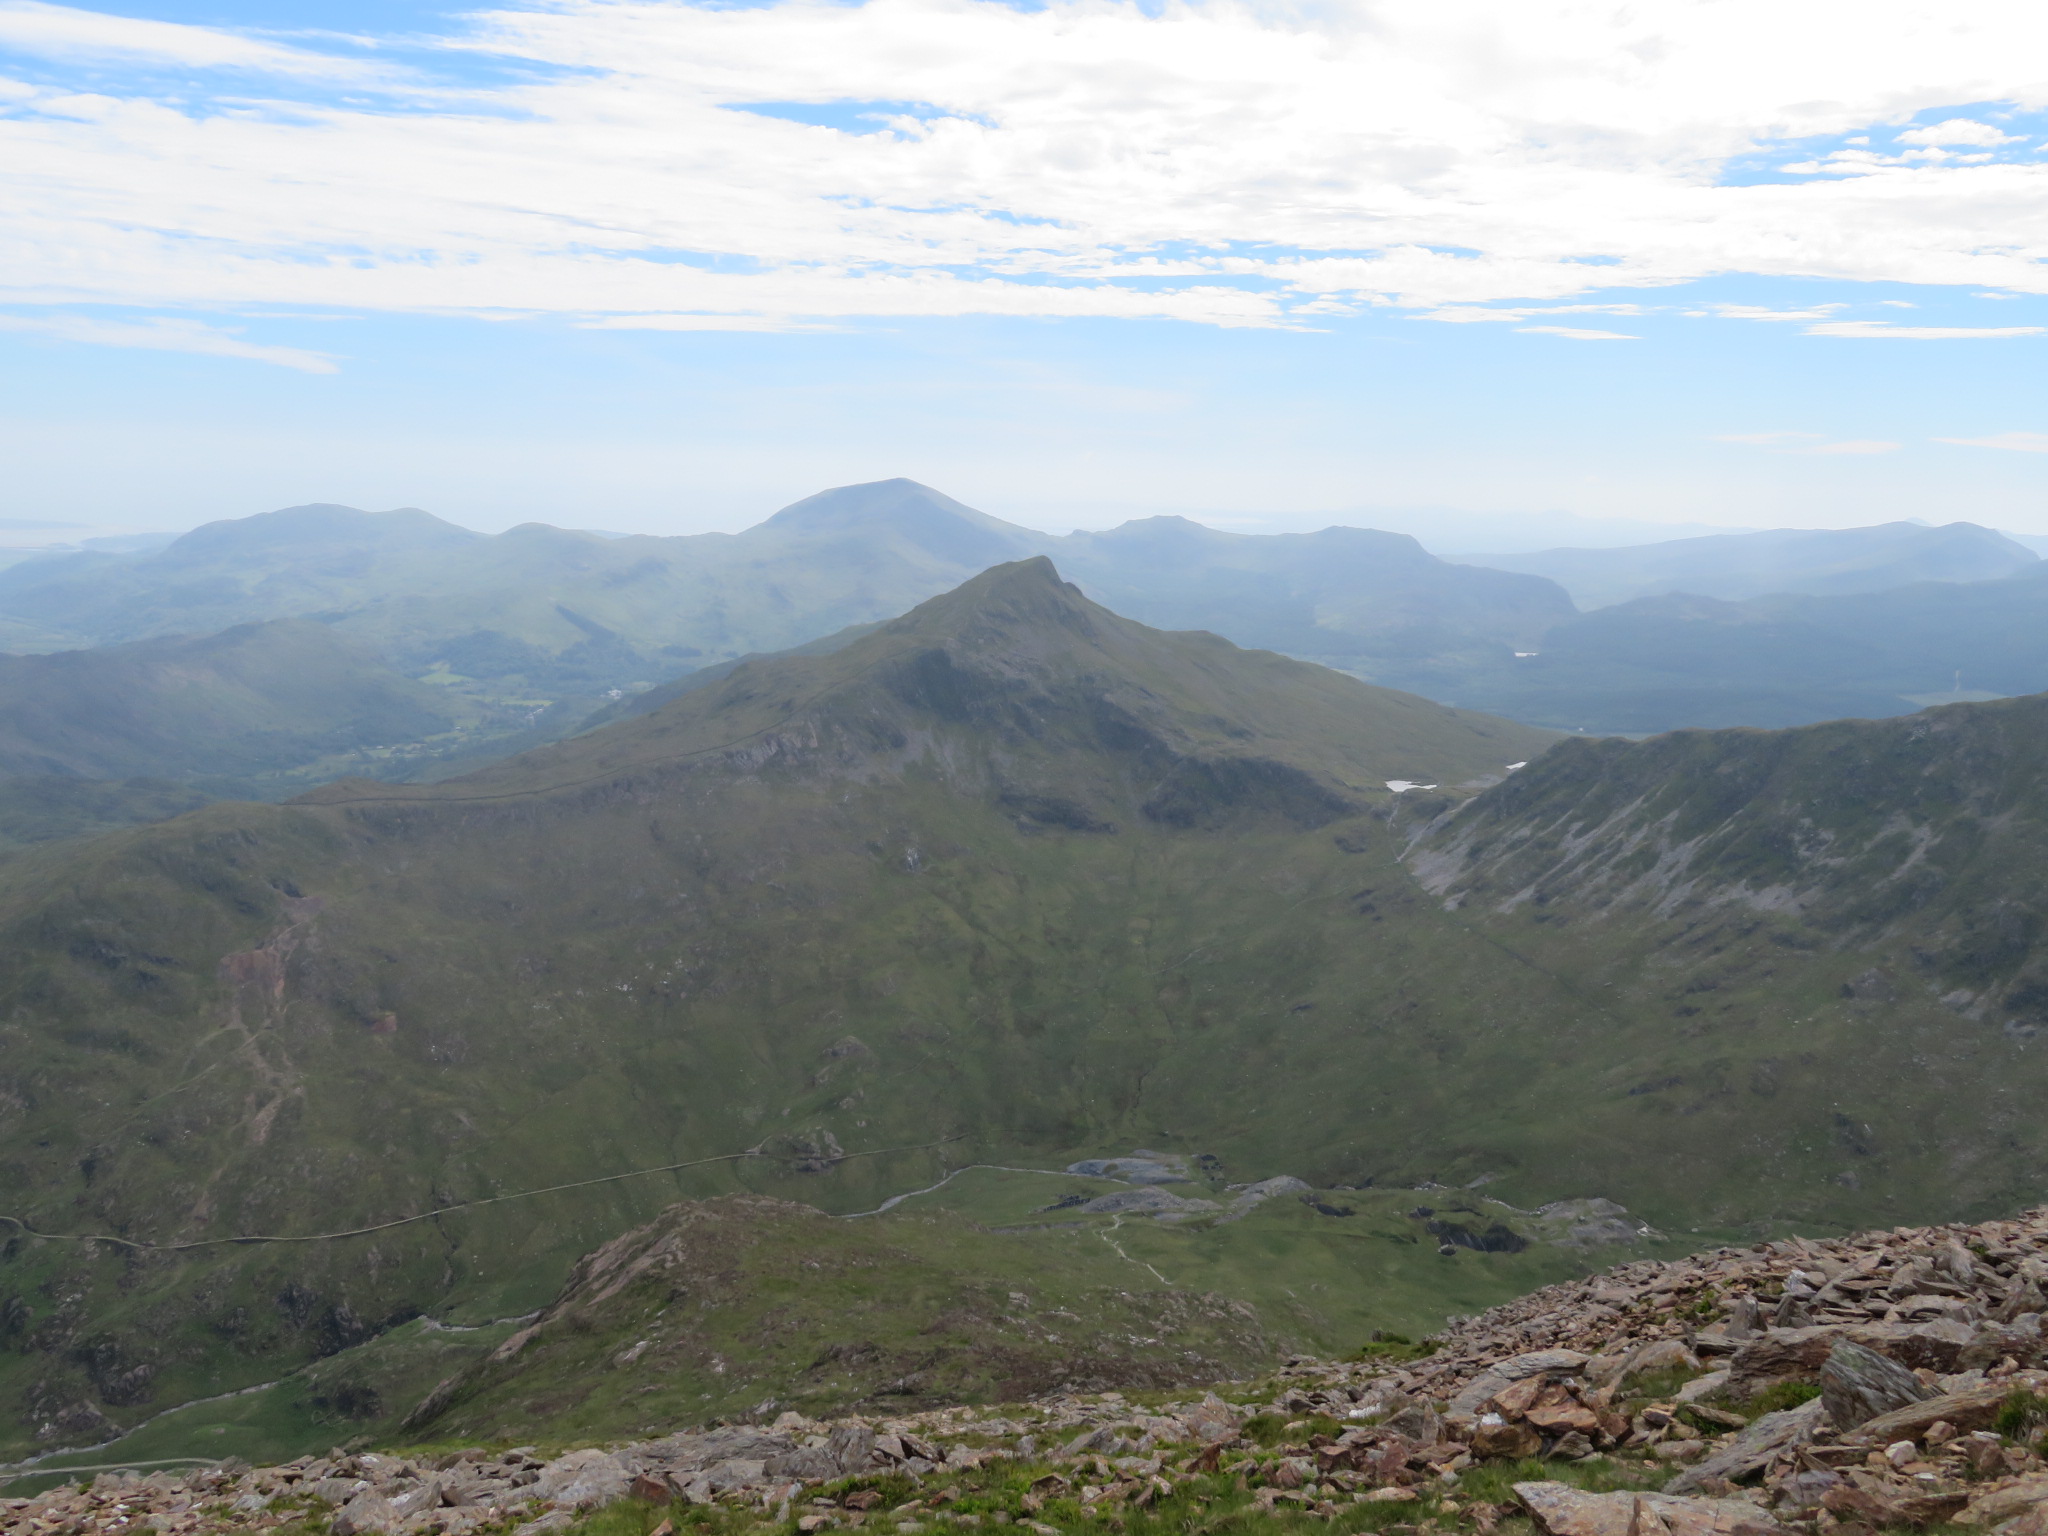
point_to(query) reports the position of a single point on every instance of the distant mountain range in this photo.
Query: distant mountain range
(1818, 562)
(1666, 663)
(540, 608)
(439, 648)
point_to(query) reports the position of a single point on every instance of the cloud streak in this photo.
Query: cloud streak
(1223, 162)
(1884, 330)
(66, 32)
(166, 334)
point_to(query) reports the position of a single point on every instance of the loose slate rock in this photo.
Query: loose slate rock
(1974, 1409)
(1562, 1510)
(1749, 1451)
(1858, 1384)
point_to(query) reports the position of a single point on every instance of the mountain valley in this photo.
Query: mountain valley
(1009, 880)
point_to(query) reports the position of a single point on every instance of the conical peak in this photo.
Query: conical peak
(1020, 594)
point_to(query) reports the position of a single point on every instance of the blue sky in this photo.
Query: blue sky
(663, 266)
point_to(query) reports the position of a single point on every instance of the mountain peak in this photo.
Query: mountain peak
(316, 524)
(912, 513)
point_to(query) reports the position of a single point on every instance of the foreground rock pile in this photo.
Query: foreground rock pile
(1892, 1380)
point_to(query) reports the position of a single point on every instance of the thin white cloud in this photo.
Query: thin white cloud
(1471, 314)
(1959, 130)
(2012, 442)
(1854, 447)
(65, 32)
(1884, 330)
(1752, 312)
(700, 323)
(1254, 165)
(166, 334)
(1574, 333)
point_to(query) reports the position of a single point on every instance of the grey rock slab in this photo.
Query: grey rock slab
(582, 1479)
(367, 1514)
(736, 1472)
(1858, 1384)
(1144, 1202)
(1562, 1510)
(1211, 1421)
(1700, 1388)
(1750, 1450)
(1974, 1409)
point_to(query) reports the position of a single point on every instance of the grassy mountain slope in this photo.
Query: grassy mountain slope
(258, 699)
(1824, 942)
(872, 897)
(731, 1307)
(39, 808)
(1010, 870)
(1810, 560)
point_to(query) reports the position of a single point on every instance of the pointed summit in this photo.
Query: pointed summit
(1015, 688)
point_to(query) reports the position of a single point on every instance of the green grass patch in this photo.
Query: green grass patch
(1780, 1395)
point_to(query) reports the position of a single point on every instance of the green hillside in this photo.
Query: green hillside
(1008, 880)
(1822, 945)
(1010, 869)
(716, 1308)
(287, 698)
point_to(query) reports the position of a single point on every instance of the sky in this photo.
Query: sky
(661, 266)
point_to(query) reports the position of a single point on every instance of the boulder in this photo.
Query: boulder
(852, 1446)
(2020, 1338)
(1211, 1421)
(1495, 1436)
(1562, 1510)
(1889, 1509)
(367, 1514)
(2007, 1503)
(735, 1472)
(582, 1479)
(1749, 1451)
(1793, 1353)
(1700, 1388)
(1419, 1422)
(1974, 1409)
(1858, 1384)
(1505, 1373)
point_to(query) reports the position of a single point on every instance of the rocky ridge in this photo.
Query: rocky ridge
(1884, 1381)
